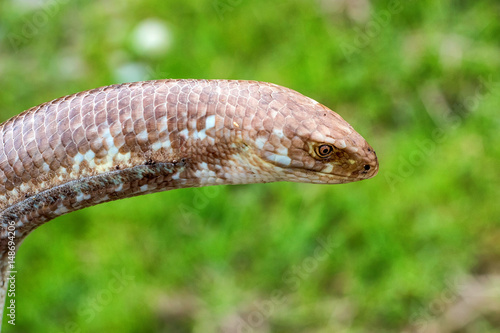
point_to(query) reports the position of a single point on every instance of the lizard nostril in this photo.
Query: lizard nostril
(367, 167)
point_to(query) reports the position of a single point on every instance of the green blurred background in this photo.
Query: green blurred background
(416, 249)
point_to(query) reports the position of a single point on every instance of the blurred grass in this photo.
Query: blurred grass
(249, 258)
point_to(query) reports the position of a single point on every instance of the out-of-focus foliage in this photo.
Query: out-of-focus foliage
(418, 79)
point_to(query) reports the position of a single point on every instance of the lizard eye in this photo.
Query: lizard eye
(324, 150)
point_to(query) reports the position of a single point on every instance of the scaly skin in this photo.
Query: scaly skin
(137, 138)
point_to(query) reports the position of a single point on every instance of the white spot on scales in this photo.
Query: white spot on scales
(184, 133)
(201, 134)
(260, 141)
(280, 159)
(80, 197)
(340, 144)
(328, 168)
(278, 133)
(210, 122)
(157, 145)
(143, 136)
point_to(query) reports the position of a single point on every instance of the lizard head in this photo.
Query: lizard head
(308, 142)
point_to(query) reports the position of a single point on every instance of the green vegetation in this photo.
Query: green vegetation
(419, 80)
